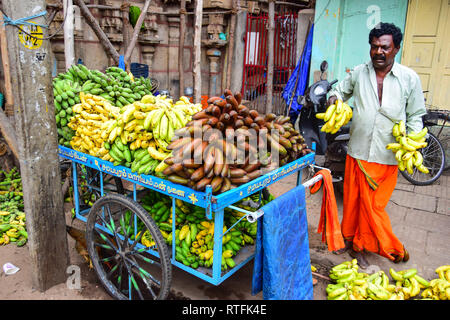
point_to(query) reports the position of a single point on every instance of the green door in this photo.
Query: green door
(341, 32)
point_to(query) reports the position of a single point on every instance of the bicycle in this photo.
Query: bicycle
(434, 153)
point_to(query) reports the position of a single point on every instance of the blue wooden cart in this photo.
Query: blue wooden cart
(101, 231)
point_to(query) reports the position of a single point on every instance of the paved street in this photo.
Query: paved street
(420, 217)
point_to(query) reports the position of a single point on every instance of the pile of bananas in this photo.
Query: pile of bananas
(219, 138)
(194, 235)
(352, 285)
(439, 289)
(336, 116)
(12, 217)
(117, 86)
(92, 117)
(153, 117)
(407, 282)
(66, 95)
(407, 147)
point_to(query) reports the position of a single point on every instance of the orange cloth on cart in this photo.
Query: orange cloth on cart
(365, 222)
(329, 220)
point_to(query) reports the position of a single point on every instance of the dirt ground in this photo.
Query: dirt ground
(184, 286)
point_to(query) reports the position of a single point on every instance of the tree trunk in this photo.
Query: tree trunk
(198, 51)
(231, 43)
(137, 28)
(181, 45)
(69, 44)
(38, 149)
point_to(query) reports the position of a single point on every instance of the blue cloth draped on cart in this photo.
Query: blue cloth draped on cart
(295, 88)
(282, 266)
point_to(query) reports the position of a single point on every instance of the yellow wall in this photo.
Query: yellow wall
(426, 48)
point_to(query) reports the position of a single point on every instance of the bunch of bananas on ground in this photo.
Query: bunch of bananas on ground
(12, 217)
(439, 289)
(406, 148)
(407, 284)
(91, 117)
(336, 116)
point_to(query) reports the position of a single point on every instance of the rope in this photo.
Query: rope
(24, 21)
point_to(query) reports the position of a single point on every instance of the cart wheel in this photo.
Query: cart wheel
(121, 260)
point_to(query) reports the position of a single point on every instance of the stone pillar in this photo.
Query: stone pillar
(173, 82)
(214, 71)
(148, 52)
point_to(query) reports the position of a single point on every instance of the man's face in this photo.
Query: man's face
(383, 51)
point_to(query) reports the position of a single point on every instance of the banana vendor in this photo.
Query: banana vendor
(384, 93)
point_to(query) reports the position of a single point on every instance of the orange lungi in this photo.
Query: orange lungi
(365, 222)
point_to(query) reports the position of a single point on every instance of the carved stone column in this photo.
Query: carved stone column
(214, 43)
(148, 40)
(111, 23)
(214, 71)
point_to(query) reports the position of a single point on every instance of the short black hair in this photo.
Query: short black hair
(387, 28)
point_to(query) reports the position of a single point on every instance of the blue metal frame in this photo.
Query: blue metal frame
(206, 200)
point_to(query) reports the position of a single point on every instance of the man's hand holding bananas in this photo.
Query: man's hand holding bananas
(337, 115)
(407, 147)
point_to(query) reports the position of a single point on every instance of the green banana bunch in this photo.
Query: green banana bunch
(336, 116)
(406, 149)
(12, 218)
(407, 284)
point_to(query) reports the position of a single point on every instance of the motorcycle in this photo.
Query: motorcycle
(332, 146)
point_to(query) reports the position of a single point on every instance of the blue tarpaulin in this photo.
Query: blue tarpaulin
(122, 62)
(282, 266)
(291, 91)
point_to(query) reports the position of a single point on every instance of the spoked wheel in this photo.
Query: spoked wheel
(433, 158)
(89, 185)
(119, 232)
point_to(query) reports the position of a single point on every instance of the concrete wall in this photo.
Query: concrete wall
(341, 32)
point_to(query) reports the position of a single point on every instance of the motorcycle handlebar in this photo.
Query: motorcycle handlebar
(333, 82)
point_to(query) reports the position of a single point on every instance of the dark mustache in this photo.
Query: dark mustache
(379, 58)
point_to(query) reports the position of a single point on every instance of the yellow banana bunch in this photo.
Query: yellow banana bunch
(352, 285)
(406, 149)
(336, 116)
(94, 119)
(439, 289)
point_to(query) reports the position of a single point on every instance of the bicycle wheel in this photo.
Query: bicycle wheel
(433, 158)
(120, 235)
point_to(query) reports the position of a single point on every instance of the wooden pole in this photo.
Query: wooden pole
(125, 9)
(102, 37)
(198, 51)
(69, 43)
(270, 58)
(137, 28)
(9, 99)
(181, 45)
(231, 42)
(38, 148)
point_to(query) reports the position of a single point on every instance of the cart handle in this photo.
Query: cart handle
(253, 216)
